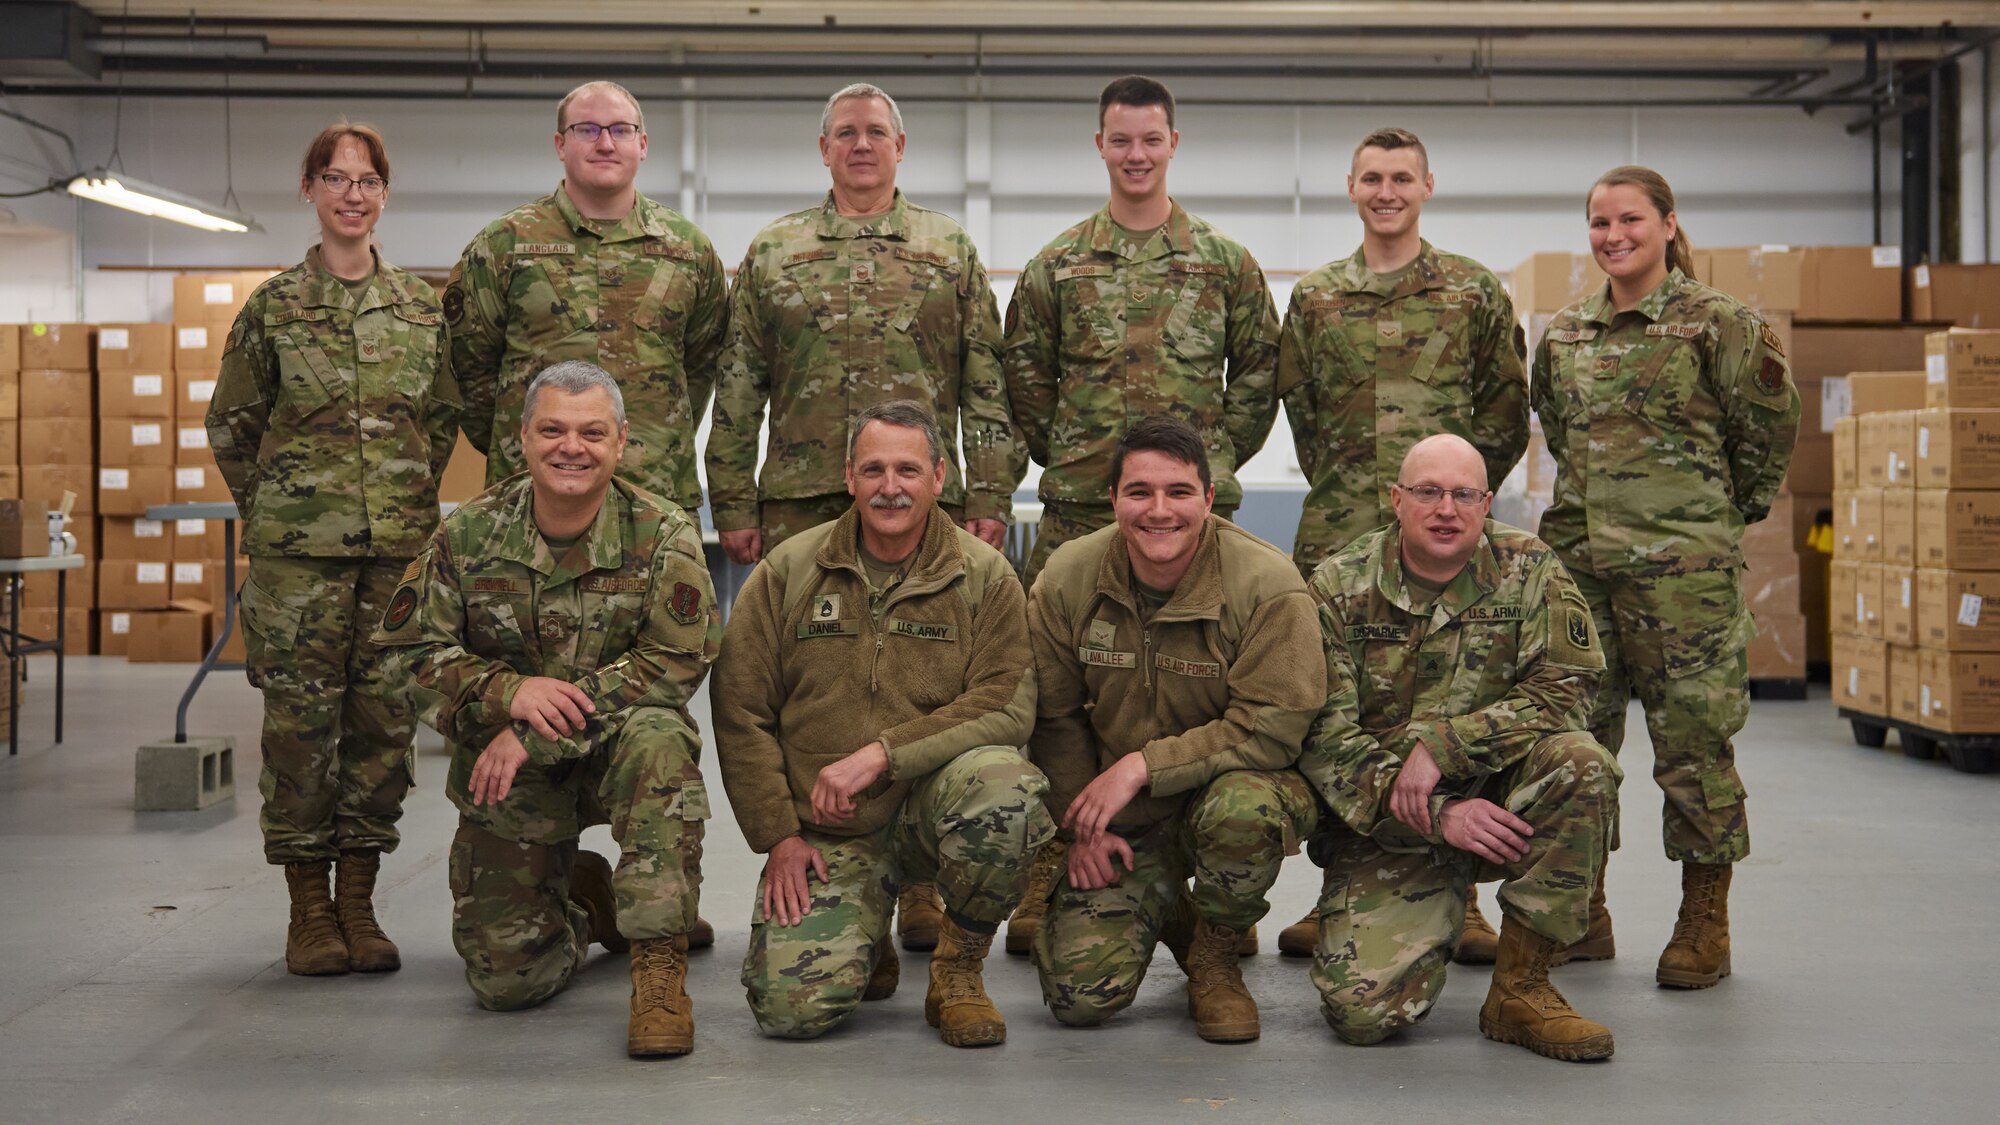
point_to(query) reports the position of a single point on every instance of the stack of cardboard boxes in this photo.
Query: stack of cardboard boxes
(57, 454)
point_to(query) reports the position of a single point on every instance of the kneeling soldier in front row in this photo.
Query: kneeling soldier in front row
(555, 630)
(870, 708)
(1453, 748)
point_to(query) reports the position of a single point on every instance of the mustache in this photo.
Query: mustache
(891, 502)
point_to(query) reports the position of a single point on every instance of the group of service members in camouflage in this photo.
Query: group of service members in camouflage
(1113, 750)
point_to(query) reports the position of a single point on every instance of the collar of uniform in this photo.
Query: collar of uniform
(893, 223)
(1197, 595)
(1480, 577)
(1354, 276)
(324, 290)
(1598, 309)
(938, 556)
(642, 221)
(1103, 232)
(603, 542)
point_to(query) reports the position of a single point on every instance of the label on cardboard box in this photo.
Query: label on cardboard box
(186, 572)
(193, 339)
(114, 339)
(190, 527)
(1923, 441)
(191, 477)
(1853, 681)
(194, 437)
(218, 293)
(1935, 368)
(147, 386)
(1888, 257)
(117, 480)
(1774, 248)
(145, 433)
(150, 574)
(1906, 591)
(1836, 401)
(143, 528)
(121, 623)
(1968, 610)
(201, 390)
(1922, 277)
(1926, 704)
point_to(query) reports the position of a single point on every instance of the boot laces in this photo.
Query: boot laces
(1212, 961)
(659, 975)
(1697, 907)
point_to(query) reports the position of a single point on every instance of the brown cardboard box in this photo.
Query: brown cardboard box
(10, 482)
(1778, 651)
(41, 622)
(1762, 277)
(198, 483)
(59, 441)
(1846, 454)
(197, 540)
(24, 529)
(1824, 351)
(200, 580)
(177, 635)
(128, 490)
(10, 441)
(193, 390)
(1857, 525)
(1899, 527)
(1899, 605)
(1872, 392)
(1551, 282)
(232, 646)
(38, 589)
(1962, 367)
(191, 445)
(1960, 691)
(1886, 447)
(1959, 610)
(1811, 469)
(48, 482)
(1958, 529)
(10, 348)
(1815, 282)
(135, 347)
(136, 394)
(465, 474)
(198, 349)
(1788, 525)
(1844, 578)
(1861, 674)
(135, 441)
(10, 394)
(56, 393)
(65, 346)
(1771, 583)
(1958, 448)
(1967, 296)
(132, 584)
(1904, 683)
(210, 299)
(135, 537)
(114, 631)
(1868, 604)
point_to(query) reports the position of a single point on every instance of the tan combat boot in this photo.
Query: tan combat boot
(887, 973)
(1042, 876)
(590, 889)
(662, 1015)
(1596, 943)
(1301, 938)
(919, 914)
(1523, 1008)
(1220, 1004)
(369, 950)
(1698, 954)
(957, 1004)
(313, 945)
(1476, 945)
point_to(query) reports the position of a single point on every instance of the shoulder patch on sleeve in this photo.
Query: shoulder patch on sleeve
(1771, 375)
(685, 603)
(402, 607)
(454, 304)
(1772, 342)
(1572, 633)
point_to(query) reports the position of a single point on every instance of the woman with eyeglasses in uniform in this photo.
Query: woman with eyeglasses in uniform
(1671, 414)
(333, 417)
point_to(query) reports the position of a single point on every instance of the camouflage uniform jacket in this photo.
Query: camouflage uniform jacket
(1506, 657)
(334, 414)
(818, 666)
(628, 614)
(1225, 676)
(1671, 426)
(830, 315)
(1367, 368)
(1097, 341)
(642, 298)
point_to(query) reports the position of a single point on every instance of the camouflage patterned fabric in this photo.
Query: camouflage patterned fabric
(1494, 679)
(643, 298)
(629, 615)
(970, 826)
(339, 735)
(1094, 947)
(830, 315)
(1671, 426)
(1101, 334)
(1368, 365)
(334, 414)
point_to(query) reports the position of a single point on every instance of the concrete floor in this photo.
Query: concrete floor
(143, 978)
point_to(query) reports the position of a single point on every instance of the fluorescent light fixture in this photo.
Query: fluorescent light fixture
(121, 190)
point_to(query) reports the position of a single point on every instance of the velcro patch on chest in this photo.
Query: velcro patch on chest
(615, 584)
(1682, 331)
(924, 256)
(810, 629)
(490, 585)
(1455, 296)
(1199, 669)
(1432, 665)
(1571, 335)
(805, 256)
(1104, 659)
(1493, 613)
(538, 248)
(1190, 265)
(1102, 635)
(661, 248)
(1067, 272)
(1370, 631)
(924, 630)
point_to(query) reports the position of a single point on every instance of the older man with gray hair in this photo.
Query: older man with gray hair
(862, 299)
(554, 632)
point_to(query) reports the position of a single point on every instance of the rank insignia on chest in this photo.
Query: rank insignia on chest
(556, 627)
(1103, 635)
(685, 603)
(1430, 665)
(1389, 329)
(864, 272)
(825, 607)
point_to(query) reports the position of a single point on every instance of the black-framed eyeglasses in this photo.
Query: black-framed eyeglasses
(369, 185)
(1432, 494)
(589, 131)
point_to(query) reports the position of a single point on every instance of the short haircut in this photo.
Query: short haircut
(601, 86)
(905, 412)
(1135, 90)
(320, 152)
(573, 376)
(859, 90)
(1162, 434)
(1392, 139)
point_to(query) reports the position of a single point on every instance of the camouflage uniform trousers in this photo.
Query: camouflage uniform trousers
(1390, 921)
(1064, 520)
(1094, 946)
(339, 734)
(782, 519)
(512, 921)
(971, 827)
(1680, 642)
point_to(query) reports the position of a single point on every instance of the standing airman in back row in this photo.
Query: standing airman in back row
(1399, 341)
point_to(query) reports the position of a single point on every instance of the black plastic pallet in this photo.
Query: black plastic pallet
(1771, 687)
(1967, 753)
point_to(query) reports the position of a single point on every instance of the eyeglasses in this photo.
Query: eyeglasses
(589, 131)
(337, 183)
(1431, 494)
